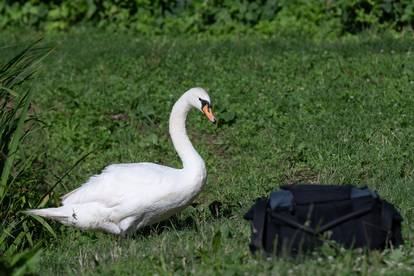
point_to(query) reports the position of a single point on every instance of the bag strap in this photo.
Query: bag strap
(326, 226)
(344, 218)
(387, 215)
(259, 216)
(294, 223)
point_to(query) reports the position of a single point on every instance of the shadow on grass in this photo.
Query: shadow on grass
(217, 210)
(173, 223)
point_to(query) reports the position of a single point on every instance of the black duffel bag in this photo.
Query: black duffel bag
(299, 218)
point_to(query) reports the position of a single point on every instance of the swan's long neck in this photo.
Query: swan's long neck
(191, 160)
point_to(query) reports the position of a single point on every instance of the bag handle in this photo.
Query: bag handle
(326, 226)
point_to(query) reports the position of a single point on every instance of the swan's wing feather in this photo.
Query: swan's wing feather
(120, 181)
(65, 196)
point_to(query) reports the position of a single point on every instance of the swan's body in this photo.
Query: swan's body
(126, 197)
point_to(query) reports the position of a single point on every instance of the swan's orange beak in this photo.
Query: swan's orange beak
(207, 111)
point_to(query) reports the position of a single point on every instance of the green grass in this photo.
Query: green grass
(291, 110)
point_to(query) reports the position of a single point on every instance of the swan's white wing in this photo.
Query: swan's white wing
(118, 182)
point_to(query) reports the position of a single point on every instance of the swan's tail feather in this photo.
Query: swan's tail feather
(60, 214)
(85, 216)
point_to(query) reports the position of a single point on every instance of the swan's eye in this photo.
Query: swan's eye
(204, 103)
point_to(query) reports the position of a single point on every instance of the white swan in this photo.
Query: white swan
(126, 197)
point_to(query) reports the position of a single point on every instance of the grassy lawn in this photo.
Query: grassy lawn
(290, 110)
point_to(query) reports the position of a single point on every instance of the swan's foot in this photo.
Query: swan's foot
(127, 225)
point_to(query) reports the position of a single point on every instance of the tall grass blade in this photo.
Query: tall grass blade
(15, 245)
(45, 225)
(14, 144)
(27, 233)
(62, 177)
(23, 263)
(7, 232)
(15, 233)
(23, 65)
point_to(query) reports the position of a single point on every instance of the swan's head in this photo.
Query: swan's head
(199, 98)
